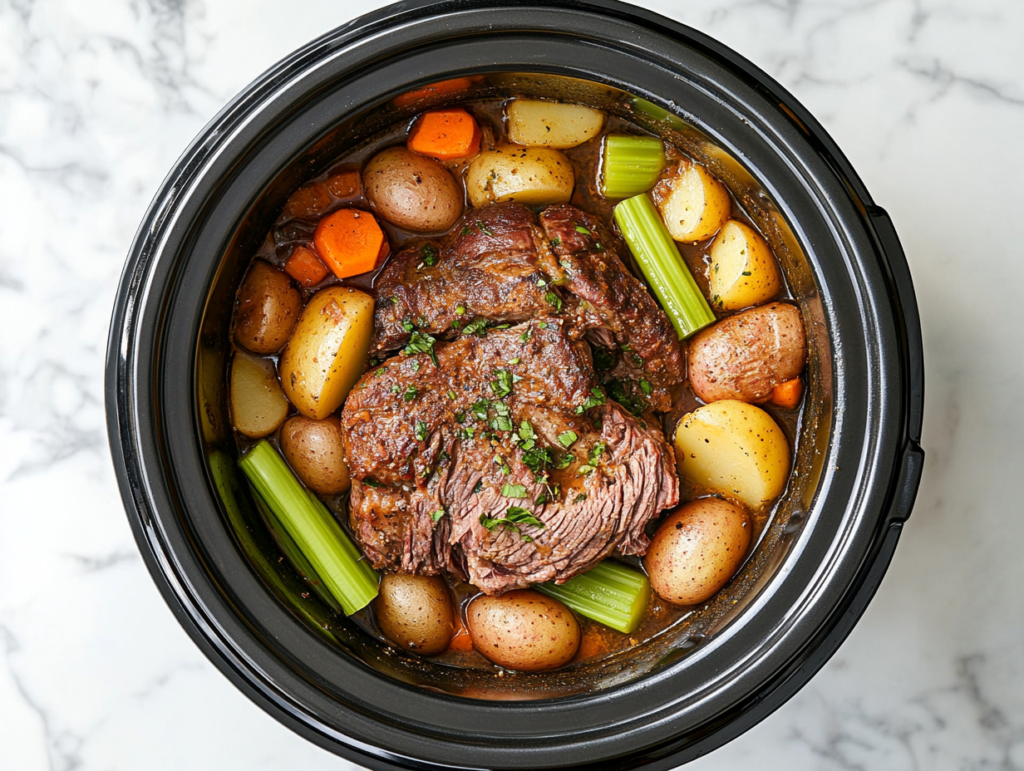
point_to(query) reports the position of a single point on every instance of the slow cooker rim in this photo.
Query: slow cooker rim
(133, 484)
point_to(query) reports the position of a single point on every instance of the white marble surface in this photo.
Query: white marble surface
(97, 100)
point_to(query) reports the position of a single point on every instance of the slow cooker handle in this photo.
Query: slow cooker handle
(905, 307)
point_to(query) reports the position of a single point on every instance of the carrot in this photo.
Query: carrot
(788, 394)
(305, 267)
(461, 641)
(445, 134)
(350, 241)
(442, 87)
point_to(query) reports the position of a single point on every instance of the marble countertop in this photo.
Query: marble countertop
(98, 99)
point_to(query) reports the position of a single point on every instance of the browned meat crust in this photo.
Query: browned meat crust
(441, 454)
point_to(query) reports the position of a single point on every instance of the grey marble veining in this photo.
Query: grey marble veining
(97, 100)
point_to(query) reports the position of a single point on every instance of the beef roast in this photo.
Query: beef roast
(501, 462)
(501, 265)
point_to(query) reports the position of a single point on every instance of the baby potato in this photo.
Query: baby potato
(327, 352)
(743, 269)
(533, 176)
(696, 550)
(733, 448)
(523, 630)
(412, 191)
(258, 405)
(268, 306)
(537, 123)
(693, 203)
(315, 449)
(415, 612)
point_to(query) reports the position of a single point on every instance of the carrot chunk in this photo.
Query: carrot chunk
(350, 242)
(442, 87)
(461, 641)
(445, 134)
(305, 267)
(788, 394)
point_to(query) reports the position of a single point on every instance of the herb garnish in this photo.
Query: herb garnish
(513, 519)
(513, 491)
(554, 300)
(502, 387)
(429, 254)
(476, 327)
(556, 242)
(411, 393)
(421, 431)
(645, 387)
(421, 342)
(436, 515)
(371, 482)
(583, 230)
(407, 325)
(567, 438)
(483, 228)
(595, 399)
(580, 497)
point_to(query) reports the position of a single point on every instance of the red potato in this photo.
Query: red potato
(315, 449)
(697, 550)
(523, 630)
(268, 307)
(745, 356)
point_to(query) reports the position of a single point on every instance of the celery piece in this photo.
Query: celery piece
(659, 114)
(293, 553)
(609, 593)
(631, 165)
(661, 263)
(329, 550)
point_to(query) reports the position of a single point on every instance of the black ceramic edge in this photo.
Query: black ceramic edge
(132, 484)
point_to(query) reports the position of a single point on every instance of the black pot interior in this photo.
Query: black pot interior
(341, 637)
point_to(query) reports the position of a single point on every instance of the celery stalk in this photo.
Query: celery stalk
(293, 553)
(609, 593)
(329, 550)
(631, 165)
(661, 263)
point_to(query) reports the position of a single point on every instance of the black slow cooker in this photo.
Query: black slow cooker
(670, 700)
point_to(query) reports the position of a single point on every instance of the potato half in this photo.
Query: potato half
(735, 449)
(327, 351)
(258, 405)
(537, 123)
(743, 270)
(693, 203)
(534, 176)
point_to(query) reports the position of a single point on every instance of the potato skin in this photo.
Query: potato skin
(412, 191)
(415, 612)
(315, 449)
(327, 351)
(745, 356)
(523, 630)
(533, 176)
(268, 307)
(735, 449)
(696, 550)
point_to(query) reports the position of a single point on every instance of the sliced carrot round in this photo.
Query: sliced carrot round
(446, 135)
(350, 242)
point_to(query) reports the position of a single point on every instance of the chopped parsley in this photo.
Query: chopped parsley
(579, 498)
(596, 452)
(565, 461)
(527, 334)
(452, 395)
(536, 458)
(502, 387)
(421, 431)
(556, 242)
(476, 327)
(746, 273)
(585, 469)
(411, 393)
(622, 392)
(421, 342)
(513, 491)
(429, 255)
(515, 517)
(478, 487)
(567, 438)
(436, 515)
(483, 228)
(460, 309)
(479, 409)
(407, 325)
(371, 482)
(500, 463)
(380, 372)
(595, 399)
(501, 423)
(554, 300)
(466, 230)
(645, 387)
(583, 230)
(604, 359)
